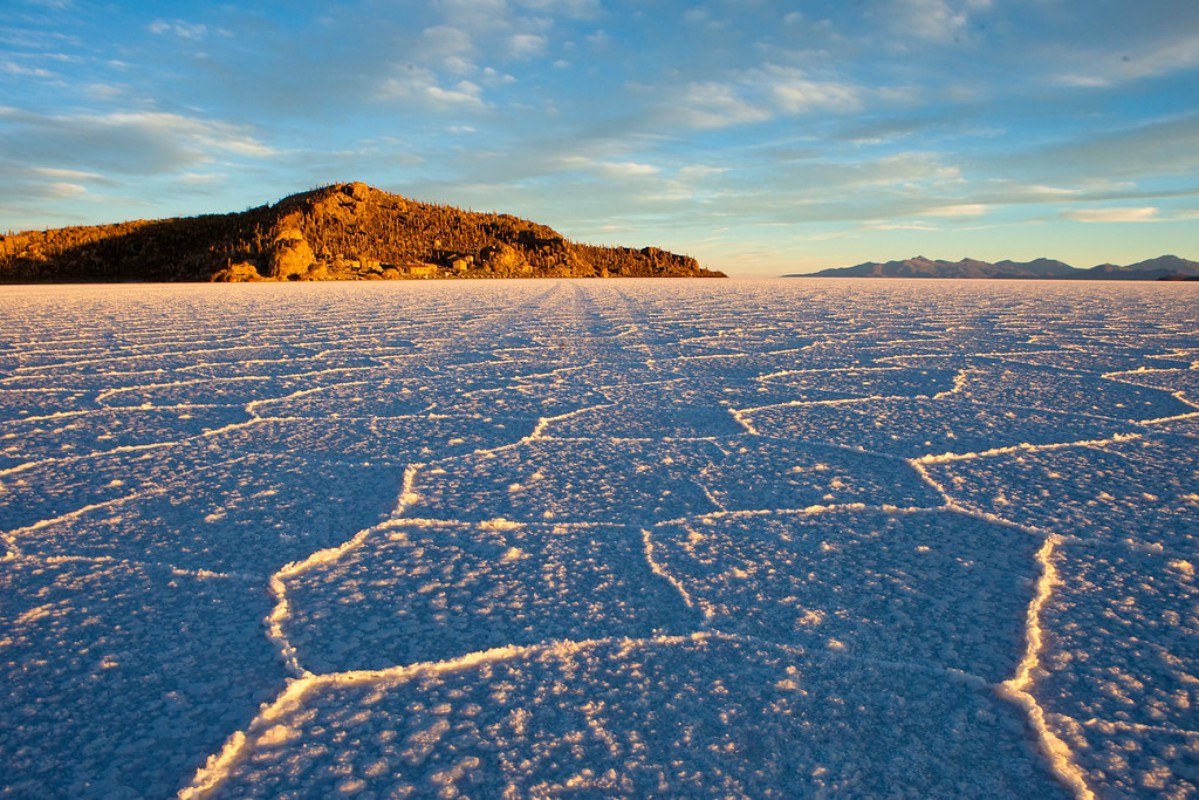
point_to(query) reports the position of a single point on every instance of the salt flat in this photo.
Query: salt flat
(600, 539)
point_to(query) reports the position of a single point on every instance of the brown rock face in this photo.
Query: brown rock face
(291, 255)
(239, 272)
(502, 259)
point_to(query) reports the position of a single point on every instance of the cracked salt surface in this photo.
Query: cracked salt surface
(607, 539)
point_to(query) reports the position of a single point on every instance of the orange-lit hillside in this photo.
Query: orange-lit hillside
(342, 232)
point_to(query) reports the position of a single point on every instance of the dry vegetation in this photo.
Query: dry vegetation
(343, 232)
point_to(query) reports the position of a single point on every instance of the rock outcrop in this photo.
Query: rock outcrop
(343, 232)
(291, 257)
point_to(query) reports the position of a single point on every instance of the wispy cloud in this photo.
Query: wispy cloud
(762, 94)
(422, 87)
(65, 174)
(934, 20)
(204, 136)
(793, 92)
(1113, 215)
(129, 142)
(580, 9)
(717, 105)
(628, 169)
(1155, 147)
(957, 210)
(607, 168)
(526, 45)
(61, 190)
(30, 189)
(463, 93)
(182, 28)
(13, 68)
(1100, 69)
(900, 226)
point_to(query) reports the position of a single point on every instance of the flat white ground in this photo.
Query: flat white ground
(597, 539)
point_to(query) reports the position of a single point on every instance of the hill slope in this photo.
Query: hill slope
(921, 267)
(1160, 268)
(343, 232)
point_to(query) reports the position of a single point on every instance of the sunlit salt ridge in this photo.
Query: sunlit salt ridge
(529, 539)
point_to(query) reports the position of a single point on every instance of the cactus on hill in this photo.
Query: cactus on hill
(342, 232)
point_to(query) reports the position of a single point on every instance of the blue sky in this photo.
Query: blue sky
(760, 137)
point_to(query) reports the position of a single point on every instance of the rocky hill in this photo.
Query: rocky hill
(343, 232)
(1162, 268)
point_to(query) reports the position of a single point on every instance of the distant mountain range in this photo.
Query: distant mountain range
(347, 231)
(1162, 268)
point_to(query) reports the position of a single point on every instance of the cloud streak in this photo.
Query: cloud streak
(72, 151)
(763, 94)
(934, 20)
(1113, 215)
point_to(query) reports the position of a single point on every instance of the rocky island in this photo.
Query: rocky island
(346, 231)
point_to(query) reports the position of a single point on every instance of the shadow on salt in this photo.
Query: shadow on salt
(702, 716)
(137, 671)
(1120, 678)
(759, 473)
(1143, 490)
(936, 588)
(250, 516)
(602, 481)
(914, 428)
(420, 591)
